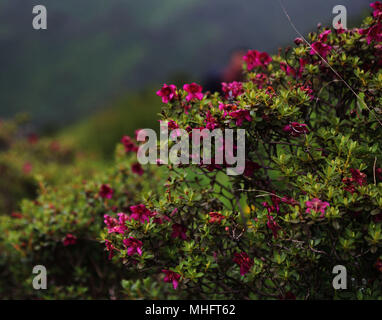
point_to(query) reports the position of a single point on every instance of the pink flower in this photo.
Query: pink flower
(260, 80)
(137, 168)
(377, 6)
(358, 178)
(114, 225)
(316, 205)
(308, 90)
(27, 167)
(289, 200)
(179, 231)
(240, 116)
(378, 171)
(378, 264)
(250, 168)
(296, 129)
(106, 192)
(373, 33)
(110, 248)
(133, 246)
(273, 225)
(321, 48)
(129, 144)
(291, 71)
(172, 125)
(216, 217)
(32, 138)
(244, 261)
(168, 93)
(186, 108)
(324, 35)
(211, 122)
(140, 213)
(159, 219)
(287, 69)
(254, 59)
(69, 240)
(233, 89)
(194, 91)
(110, 222)
(171, 277)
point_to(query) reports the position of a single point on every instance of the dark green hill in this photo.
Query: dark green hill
(94, 50)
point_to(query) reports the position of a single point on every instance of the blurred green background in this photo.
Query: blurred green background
(95, 71)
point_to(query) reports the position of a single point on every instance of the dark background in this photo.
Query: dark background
(94, 51)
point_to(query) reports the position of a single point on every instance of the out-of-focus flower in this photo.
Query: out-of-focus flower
(137, 168)
(179, 231)
(106, 192)
(69, 240)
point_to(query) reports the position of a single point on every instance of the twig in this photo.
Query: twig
(375, 162)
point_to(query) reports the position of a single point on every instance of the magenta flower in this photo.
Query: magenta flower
(133, 246)
(179, 231)
(316, 205)
(171, 277)
(324, 35)
(292, 71)
(216, 217)
(27, 167)
(110, 222)
(194, 91)
(69, 240)
(129, 144)
(159, 219)
(233, 89)
(114, 225)
(244, 261)
(358, 176)
(254, 59)
(377, 6)
(106, 192)
(137, 168)
(240, 116)
(373, 33)
(172, 125)
(320, 48)
(110, 248)
(378, 264)
(289, 200)
(140, 213)
(378, 171)
(250, 168)
(260, 80)
(211, 122)
(296, 129)
(167, 93)
(273, 225)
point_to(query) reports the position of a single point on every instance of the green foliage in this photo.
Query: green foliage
(310, 198)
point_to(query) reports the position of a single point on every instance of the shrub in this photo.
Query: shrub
(309, 199)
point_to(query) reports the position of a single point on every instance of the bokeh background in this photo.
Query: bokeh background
(93, 74)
